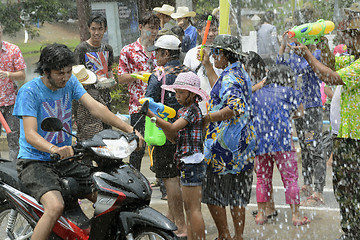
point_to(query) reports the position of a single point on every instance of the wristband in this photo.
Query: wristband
(51, 148)
(7, 74)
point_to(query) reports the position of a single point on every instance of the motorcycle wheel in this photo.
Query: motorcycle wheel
(21, 229)
(152, 234)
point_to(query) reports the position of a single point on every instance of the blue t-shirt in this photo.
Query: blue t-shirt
(272, 107)
(36, 100)
(310, 82)
(189, 40)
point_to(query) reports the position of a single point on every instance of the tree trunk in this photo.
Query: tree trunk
(84, 11)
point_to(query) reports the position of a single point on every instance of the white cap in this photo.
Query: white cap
(169, 42)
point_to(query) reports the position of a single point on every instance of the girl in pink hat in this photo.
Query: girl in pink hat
(186, 131)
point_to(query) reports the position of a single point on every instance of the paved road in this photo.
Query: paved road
(324, 220)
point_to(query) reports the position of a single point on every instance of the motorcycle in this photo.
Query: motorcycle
(122, 208)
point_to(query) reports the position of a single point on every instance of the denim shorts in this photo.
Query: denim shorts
(193, 174)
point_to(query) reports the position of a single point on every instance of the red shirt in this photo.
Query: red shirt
(134, 59)
(11, 60)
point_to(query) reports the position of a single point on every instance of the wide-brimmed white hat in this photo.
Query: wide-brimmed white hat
(182, 12)
(85, 76)
(169, 42)
(188, 81)
(165, 9)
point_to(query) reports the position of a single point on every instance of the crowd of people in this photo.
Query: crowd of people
(234, 116)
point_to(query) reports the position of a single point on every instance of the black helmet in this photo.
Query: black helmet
(229, 43)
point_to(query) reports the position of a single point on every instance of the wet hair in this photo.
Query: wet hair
(149, 18)
(233, 57)
(256, 64)
(54, 57)
(280, 75)
(97, 18)
(201, 21)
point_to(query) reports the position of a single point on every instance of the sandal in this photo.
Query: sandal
(156, 183)
(312, 201)
(302, 222)
(274, 214)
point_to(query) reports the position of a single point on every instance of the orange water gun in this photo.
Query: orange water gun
(205, 37)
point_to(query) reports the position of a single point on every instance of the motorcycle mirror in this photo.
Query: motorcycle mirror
(51, 124)
(145, 107)
(143, 111)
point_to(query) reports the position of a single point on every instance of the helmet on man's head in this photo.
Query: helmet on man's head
(229, 43)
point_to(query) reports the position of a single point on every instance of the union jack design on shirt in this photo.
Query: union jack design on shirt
(97, 62)
(60, 109)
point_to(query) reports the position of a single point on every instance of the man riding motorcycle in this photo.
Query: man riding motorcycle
(51, 95)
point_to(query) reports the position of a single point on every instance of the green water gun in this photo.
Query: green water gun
(310, 33)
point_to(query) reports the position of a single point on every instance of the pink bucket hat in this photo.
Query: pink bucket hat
(188, 81)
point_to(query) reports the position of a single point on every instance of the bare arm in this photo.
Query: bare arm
(327, 56)
(17, 76)
(210, 72)
(258, 86)
(326, 74)
(299, 113)
(329, 93)
(170, 129)
(37, 141)
(126, 78)
(224, 114)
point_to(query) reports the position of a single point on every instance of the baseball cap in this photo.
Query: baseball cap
(169, 42)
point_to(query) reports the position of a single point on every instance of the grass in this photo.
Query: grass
(33, 48)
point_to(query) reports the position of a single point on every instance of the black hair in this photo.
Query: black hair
(97, 18)
(54, 57)
(178, 31)
(280, 75)
(255, 63)
(232, 57)
(201, 21)
(149, 18)
(173, 54)
(269, 16)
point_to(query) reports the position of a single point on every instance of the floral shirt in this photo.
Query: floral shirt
(350, 98)
(11, 60)
(133, 58)
(229, 144)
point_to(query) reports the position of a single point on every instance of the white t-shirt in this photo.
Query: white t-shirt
(335, 108)
(192, 62)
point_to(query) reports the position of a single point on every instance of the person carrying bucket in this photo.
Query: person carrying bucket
(167, 52)
(186, 131)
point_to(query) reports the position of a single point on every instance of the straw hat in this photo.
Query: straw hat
(182, 12)
(165, 9)
(188, 81)
(85, 76)
(354, 8)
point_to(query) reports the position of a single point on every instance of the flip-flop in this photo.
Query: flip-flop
(274, 214)
(306, 191)
(302, 222)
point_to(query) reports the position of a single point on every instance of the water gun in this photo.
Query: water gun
(4, 123)
(159, 109)
(310, 33)
(144, 77)
(205, 37)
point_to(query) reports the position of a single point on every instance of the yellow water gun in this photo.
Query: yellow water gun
(143, 77)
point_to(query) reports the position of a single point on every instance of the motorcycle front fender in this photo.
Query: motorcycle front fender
(146, 216)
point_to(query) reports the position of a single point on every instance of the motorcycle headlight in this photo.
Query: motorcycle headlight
(116, 148)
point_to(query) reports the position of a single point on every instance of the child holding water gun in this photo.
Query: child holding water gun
(186, 131)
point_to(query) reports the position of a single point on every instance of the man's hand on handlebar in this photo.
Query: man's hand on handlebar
(141, 142)
(64, 152)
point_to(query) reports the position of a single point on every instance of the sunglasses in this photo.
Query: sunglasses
(216, 51)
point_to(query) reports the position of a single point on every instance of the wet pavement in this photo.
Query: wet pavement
(324, 219)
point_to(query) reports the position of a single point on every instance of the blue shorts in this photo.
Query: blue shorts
(192, 174)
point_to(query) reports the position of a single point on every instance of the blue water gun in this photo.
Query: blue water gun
(159, 109)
